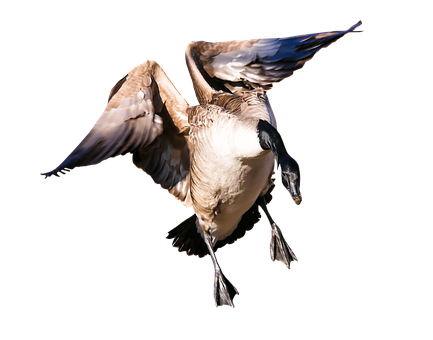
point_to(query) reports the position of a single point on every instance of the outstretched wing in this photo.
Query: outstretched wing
(240, 65)
(145, 116)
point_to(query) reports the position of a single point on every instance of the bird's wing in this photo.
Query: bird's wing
(247, 64)
(145, 116)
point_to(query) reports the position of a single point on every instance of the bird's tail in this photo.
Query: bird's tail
(187, 238)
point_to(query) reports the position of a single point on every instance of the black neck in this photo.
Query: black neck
(270, 139)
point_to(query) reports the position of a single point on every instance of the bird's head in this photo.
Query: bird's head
(289, 177)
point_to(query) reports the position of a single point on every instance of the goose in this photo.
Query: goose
(218, 156)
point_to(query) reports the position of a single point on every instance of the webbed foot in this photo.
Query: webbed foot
(224, 291)
(280, 250)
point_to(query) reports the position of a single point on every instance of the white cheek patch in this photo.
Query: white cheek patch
(293, 188)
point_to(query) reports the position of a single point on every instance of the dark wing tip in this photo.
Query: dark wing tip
(352, 29)
(43, 175)
(51, 173)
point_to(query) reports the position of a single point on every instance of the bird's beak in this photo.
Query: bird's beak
(296, 199)
(295, 192)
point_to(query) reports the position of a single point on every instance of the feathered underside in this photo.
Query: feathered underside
(145, 116)
(187, 238)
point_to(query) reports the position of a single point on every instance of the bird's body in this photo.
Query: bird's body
(217, 156)
(229, 170)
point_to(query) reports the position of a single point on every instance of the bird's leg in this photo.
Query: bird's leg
(224, 291)
(280, 250)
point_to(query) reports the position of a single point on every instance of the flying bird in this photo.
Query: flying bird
(218, 156)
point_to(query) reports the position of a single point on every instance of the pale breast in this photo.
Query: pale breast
(255, 181)
(229, 169)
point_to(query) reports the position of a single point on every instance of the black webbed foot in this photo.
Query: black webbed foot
(224, 291)
(280, 250)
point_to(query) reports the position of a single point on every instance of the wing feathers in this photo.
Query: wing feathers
(257, 63)
(145, 116)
